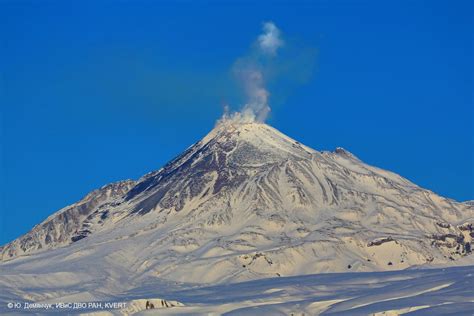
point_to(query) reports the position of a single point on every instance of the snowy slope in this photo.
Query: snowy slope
(71, 223)
(246, 202)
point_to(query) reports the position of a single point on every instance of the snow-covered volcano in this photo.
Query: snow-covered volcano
(247, 202)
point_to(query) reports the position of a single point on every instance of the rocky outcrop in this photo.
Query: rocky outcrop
(379, 241)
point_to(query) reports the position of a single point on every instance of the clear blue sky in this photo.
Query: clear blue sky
(94, 93)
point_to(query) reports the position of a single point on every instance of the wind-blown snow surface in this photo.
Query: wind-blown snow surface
(442, 291)
(244, 203)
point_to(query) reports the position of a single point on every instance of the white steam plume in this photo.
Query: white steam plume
(270, 40)
(249, 70)
(257, 107)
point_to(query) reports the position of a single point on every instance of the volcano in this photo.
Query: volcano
(244, 203)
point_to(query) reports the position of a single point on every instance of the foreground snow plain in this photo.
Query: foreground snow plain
(437, 291)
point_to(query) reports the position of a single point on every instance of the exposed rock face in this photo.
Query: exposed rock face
(248, 202)
(379, 241)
